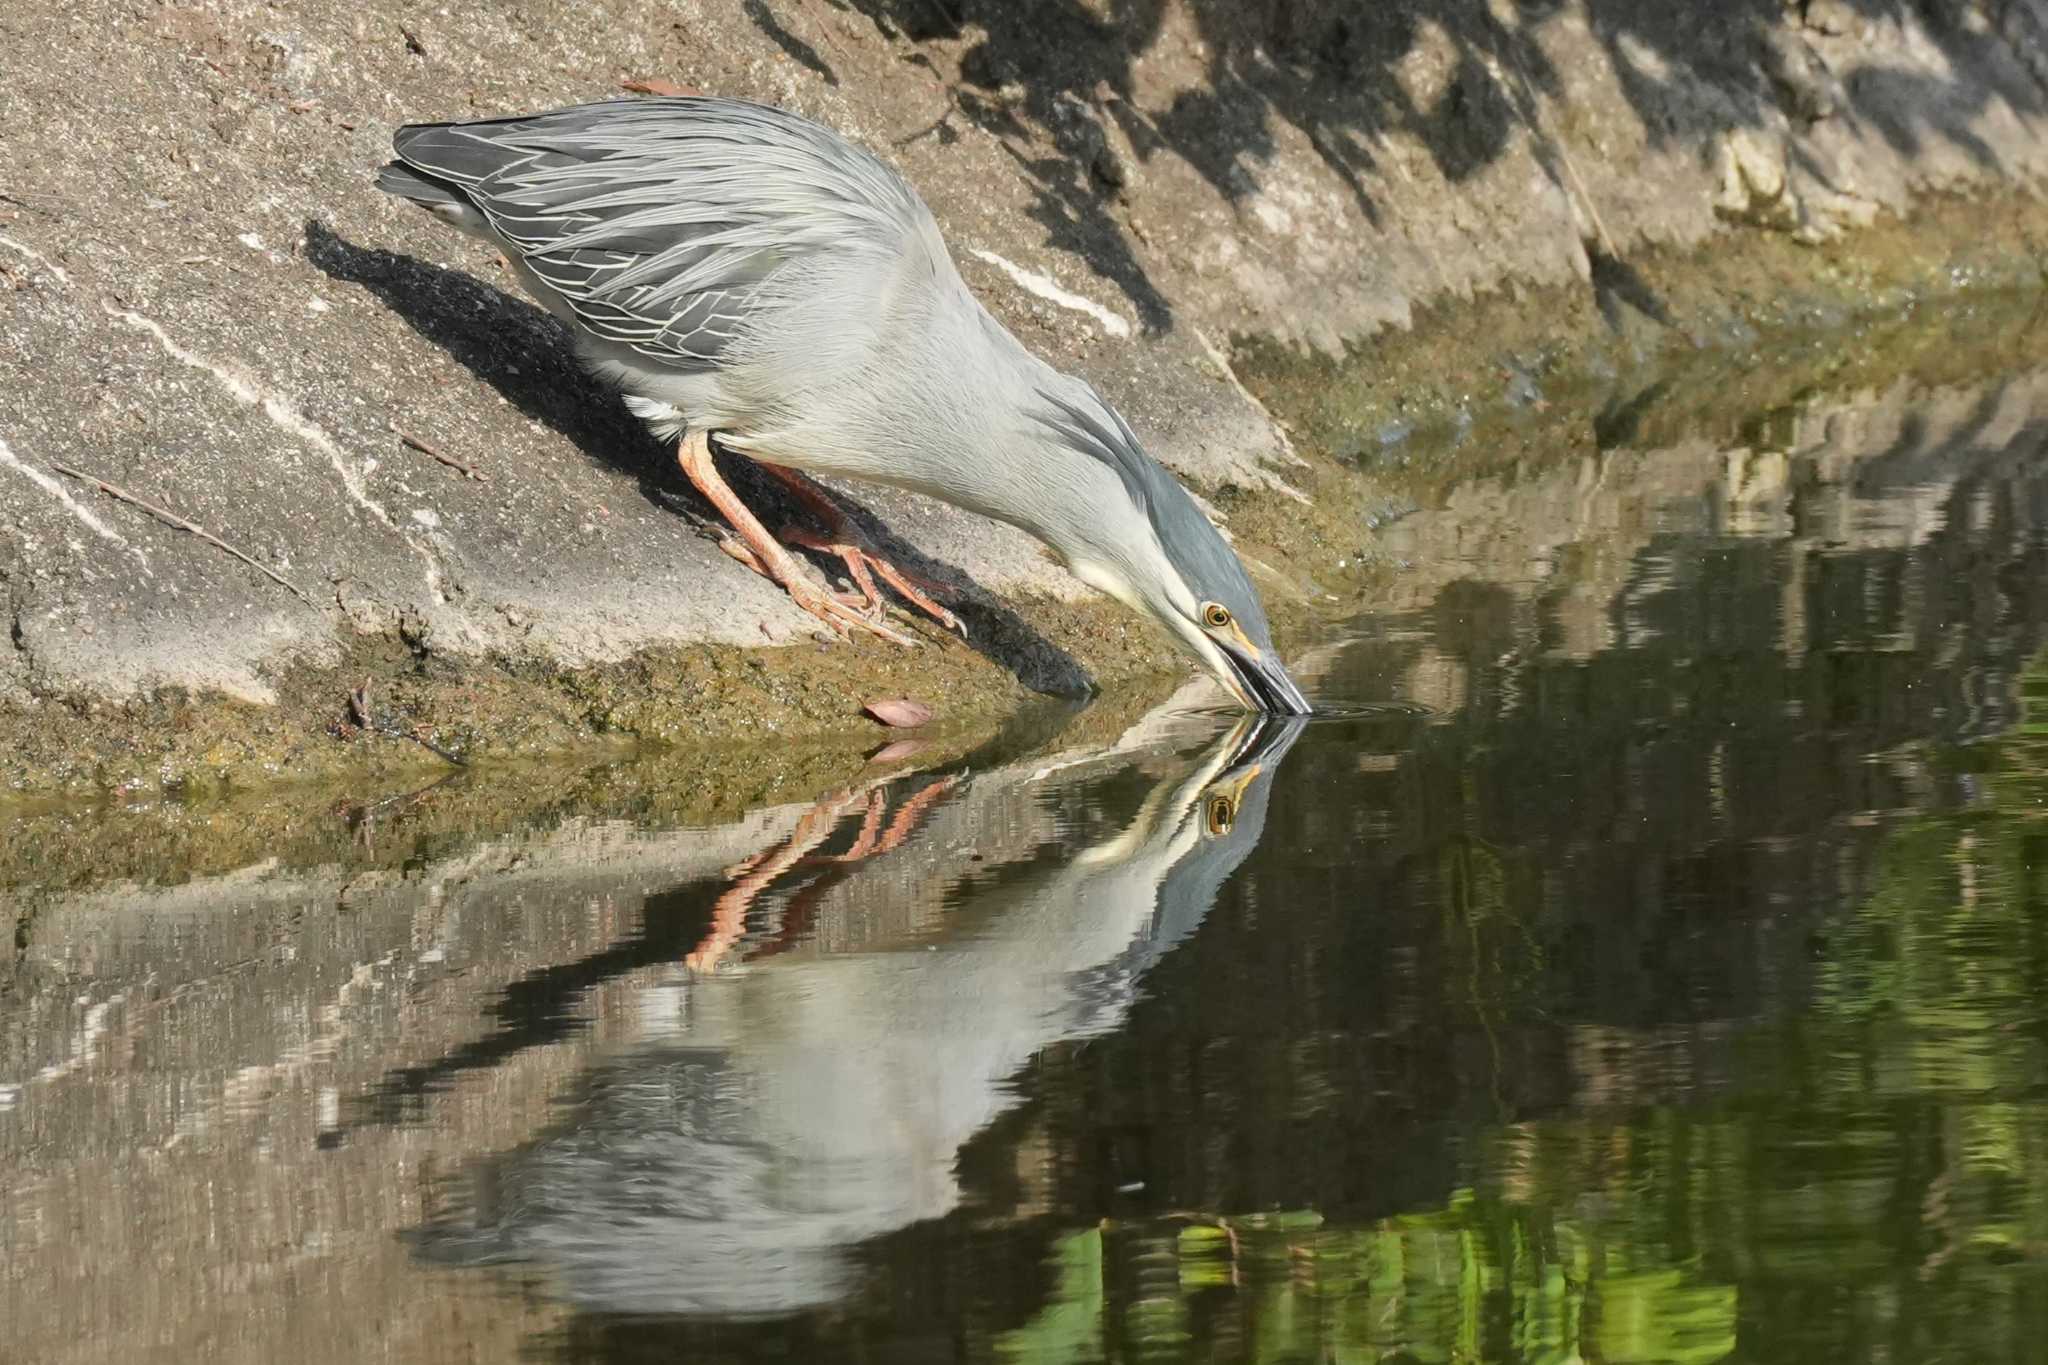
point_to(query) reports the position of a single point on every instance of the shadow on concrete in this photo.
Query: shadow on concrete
(794, 47)
(1062, 70)
(526, 355)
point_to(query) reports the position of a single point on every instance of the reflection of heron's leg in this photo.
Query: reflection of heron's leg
(907, 816)
(870, 826)
(754, 875)
(729, 914)
(803, 907)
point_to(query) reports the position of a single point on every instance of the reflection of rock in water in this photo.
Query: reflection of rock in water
(1586, 881)
(1854, 526)
(814, 1100)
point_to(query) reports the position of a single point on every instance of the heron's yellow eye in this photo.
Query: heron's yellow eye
(1216, 615)
(1221, 814)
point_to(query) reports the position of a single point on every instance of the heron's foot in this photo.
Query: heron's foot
(841, 612)
(863, 565)
(760, 551)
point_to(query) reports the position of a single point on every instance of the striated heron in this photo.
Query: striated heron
(742, 273)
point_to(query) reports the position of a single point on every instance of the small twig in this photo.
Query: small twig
(945, 17)
(468, 471)
(825, 32)
(655, 85)
(362, 820)
(172, 519)
(928, 129)
(359, 711)
(359, 706)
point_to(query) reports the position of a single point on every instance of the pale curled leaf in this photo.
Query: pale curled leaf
(899, 713)
(896, 750)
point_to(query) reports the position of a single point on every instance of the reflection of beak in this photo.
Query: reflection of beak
(1251, 749)
(1261, 682)
(1228, 771)
(1235, 790)
(1253, 745)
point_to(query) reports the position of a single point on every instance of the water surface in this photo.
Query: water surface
(1648, 966)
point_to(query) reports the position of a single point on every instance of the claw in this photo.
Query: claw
(759, 551)
(863, 565)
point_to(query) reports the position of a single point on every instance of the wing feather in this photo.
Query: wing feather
(660, 221)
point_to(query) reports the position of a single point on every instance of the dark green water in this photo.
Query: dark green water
(1652, 965)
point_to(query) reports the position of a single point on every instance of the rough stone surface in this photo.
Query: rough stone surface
(204, 301)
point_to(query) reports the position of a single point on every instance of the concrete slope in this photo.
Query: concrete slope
(206, 304)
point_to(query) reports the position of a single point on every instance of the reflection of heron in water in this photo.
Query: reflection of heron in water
(812, 1102)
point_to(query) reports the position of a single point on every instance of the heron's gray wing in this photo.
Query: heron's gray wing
(659, 221)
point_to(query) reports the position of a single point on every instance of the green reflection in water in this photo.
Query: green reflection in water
(1873, 1184)
(1479, 1280)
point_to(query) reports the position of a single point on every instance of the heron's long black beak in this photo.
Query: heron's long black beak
(1264, 680)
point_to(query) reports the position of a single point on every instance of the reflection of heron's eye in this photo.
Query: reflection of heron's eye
(1221, 813)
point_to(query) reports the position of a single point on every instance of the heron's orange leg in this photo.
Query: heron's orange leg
(760, 551)
(842, 540)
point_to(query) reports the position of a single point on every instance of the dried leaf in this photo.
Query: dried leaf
(896, 750)
(655, 85)
(899, 713)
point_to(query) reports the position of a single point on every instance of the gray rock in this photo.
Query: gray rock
(206, 303)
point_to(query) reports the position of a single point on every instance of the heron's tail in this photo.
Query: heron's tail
(442, 198)
(402, 180)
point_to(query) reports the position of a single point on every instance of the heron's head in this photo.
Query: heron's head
(1146, 543)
